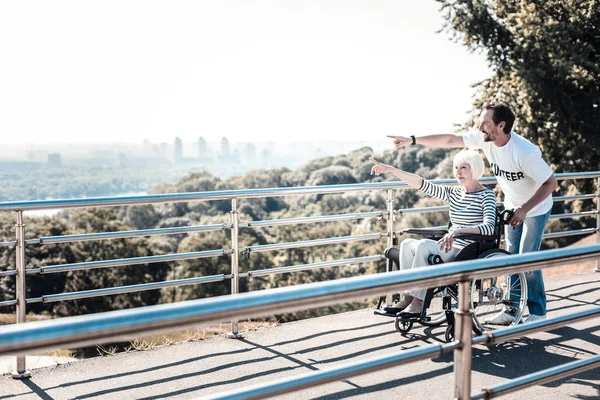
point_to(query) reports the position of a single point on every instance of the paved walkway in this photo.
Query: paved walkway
(193, 369)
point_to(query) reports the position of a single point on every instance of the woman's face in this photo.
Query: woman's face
(463, 173)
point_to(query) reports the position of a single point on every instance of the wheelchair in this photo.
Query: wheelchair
(487, 296)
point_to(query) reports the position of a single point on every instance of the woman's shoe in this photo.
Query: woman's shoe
(393, 309)
(406, 300)
(413, 310)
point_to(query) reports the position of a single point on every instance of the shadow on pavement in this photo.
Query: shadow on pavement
(151, 369)
(320, 334)
(515, 358)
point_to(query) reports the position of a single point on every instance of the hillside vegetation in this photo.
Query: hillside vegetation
(350, 168)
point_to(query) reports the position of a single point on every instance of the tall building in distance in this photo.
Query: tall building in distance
(178, 150)
(249, 155)
(54, 160)
(149, 149)
(162, 150)
(122, 160)
(202, 148)
(227, 156)
(225, 147)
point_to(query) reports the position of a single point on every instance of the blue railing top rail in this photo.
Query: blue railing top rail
(103, 327)
(236, 194)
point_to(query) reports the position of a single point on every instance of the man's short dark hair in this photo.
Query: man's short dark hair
(501, 112)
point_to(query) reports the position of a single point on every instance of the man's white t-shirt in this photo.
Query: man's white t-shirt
(518, 167)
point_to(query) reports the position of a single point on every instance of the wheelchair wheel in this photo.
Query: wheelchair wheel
(449, 335)
(403, 326)
(491, 296)
(436, 315)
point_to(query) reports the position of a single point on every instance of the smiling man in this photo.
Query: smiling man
(527, 182)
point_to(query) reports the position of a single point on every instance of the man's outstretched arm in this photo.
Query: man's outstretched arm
(442, 140)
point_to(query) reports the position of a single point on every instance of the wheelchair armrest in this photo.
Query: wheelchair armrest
(476, 237)
(425, 232)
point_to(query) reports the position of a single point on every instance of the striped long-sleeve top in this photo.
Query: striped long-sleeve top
(476, 209)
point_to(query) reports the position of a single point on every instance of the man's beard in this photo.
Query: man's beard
(487, 137)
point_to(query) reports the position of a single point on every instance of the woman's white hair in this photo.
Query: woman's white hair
(474, 159)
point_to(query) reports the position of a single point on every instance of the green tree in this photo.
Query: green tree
(105, 220)
(36, 255)
(545, 57)
(142, 216)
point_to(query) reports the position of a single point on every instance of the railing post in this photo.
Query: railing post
(390, 224)
(462, 356)
(235, 267)
(597, 268)
(21, 370)
(390, 236)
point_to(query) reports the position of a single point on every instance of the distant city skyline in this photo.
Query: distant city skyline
(222, 158)
(251, 71)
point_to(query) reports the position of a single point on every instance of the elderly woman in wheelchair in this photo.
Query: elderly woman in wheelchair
(474, 232)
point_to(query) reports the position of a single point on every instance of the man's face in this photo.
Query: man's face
(490, 130)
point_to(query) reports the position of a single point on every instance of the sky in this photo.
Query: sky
(280, 71)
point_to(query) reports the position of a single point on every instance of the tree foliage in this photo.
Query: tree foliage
(545, 57)
(349, 168)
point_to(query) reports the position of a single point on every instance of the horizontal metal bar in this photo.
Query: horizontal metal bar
(237, 194)
(201, 196)
(577, 175)
(422, 210)
(553, 235)
(8, 303)
(305, 267)
(446, 208)
(576, 197)
(103, 327)
(574, 215)
(217, 227)
(320, 377)
(433, 228)
(8, 244)
(131, 288)
(310, 243)
(304, 220)
(126, 261)
(10, 272)
(540, 377)
(126, 234)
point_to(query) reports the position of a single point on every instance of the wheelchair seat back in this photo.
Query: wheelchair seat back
(484, 243)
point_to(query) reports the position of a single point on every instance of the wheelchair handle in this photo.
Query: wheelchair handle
(506, 215)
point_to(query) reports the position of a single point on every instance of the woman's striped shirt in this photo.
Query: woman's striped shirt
(476, 209)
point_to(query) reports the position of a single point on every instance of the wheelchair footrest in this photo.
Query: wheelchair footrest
(409, 319)
(383, 313)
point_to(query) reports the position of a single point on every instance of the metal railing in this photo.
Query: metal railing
(103, 327)
(235, 225)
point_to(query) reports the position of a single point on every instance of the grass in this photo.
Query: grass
(146, 342)
(106, 351)
(8, 319)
